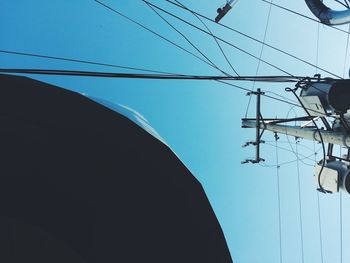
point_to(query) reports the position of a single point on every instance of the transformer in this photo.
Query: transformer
(327, 97)
(334, 176)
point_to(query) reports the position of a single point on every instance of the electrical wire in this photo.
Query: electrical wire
(161, 9)
(345, 4)
(319, 216)
(267, 96)
(307, 17)
(221, 39)
(303, 157)
(147, 76)
(340, 194)
(279, 201)
(150, 30)
(300, 207)
(280, 96)
(139, 24)
(321, 138)
(212, 34)
(260, 56)
(300, 145)
(287, 163)
(318, 193)
(252, 38)
(341, 220)
(346, 51)
(187, 39)
(226, 42)
(287, 137)
(81, 61)
(119, 13)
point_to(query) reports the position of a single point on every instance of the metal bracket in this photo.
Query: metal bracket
(253, 161)
(251, 143)
(259, 132)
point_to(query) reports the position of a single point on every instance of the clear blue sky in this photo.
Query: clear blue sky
(201, 120)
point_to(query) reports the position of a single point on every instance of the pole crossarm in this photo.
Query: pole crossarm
(275, 121)
(332, 137)
(260, 128)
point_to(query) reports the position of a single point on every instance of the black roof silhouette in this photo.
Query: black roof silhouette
(81, 183)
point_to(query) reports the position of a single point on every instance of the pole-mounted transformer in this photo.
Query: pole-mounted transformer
(327, 97)
(335, 176)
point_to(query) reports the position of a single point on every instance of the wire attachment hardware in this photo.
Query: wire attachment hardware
(259, 132)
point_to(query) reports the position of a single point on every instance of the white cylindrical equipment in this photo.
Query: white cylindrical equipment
(335, 176)
(326, 97)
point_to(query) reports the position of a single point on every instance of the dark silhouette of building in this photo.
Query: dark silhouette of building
(82, 183)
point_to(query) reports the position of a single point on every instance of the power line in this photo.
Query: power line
(341, 218)
(318, 47)
(288, 162)
(221, 39)
(280, 96)
(139, 24)
(160, 77)
(271, 79)
(253, 38)
(287, 137)
(288, 141)
(211, 33)
(318, 193)
(303, 157)
(346, 51)
(268, 63)
(279, 200)
(212, 63)
(320, 225)
(151, 31)
(345, 4)
(187, 39)
(340, 194)
(307, 17)
(300, 145)
(300, 207)
(268, 96)
(80, 61)
(259, 61)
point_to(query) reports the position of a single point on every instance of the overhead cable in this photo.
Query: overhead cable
(159, 77)
(305, 16)
(300, 205)
(260, 56)
(187, 39)
(221, 39)
(151, 31)
(271, 79)
(212, 34)
(11, 52)
(319, 219)
(279, 201)
(253, 38)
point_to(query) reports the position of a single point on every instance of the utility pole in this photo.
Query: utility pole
(322, 100)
